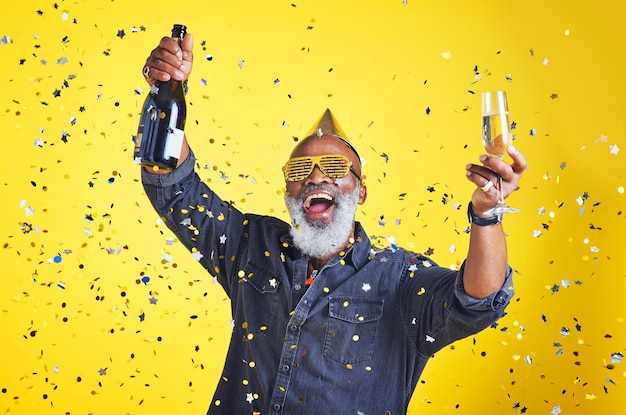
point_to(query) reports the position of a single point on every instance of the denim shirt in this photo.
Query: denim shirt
(353, 342)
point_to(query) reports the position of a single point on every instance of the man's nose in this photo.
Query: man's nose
(317, 176)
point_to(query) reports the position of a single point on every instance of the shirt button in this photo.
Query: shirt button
(297, 287)
(293, 327)
(285, 368)
(276, 407)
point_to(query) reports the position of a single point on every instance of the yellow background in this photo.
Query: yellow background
(80, 334)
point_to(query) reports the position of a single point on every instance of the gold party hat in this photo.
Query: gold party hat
(327, 124)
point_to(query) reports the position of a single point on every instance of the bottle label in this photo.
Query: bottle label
(174, 144)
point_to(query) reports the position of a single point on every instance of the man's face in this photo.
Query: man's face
(319, 194)
(322, 208)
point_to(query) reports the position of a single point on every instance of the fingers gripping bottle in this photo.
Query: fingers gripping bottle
(160, 135)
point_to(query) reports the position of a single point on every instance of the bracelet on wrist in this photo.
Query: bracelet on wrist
(480, 221)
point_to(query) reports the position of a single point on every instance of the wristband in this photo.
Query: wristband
(477, 220)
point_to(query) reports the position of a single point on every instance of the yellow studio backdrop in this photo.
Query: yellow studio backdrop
(103, 312)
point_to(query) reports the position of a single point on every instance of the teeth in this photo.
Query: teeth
(307, 201)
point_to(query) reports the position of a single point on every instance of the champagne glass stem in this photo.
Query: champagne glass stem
(500, 193)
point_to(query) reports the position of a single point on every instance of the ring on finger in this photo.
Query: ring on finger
(146, 70)
(487, 186)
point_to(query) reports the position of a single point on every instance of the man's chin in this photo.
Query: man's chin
(319, 223)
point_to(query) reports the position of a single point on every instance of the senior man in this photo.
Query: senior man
(323, 322)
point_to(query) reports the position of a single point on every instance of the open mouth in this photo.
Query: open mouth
(318, 202)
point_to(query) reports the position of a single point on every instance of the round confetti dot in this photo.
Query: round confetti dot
(145, 279)
(57, 259)
(209, 57)
(111, 180)
(620, 190)
(252, 364)
(355, 338)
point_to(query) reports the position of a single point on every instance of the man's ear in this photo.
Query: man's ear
(362, 194)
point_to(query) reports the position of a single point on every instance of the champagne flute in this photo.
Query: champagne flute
(497, 138)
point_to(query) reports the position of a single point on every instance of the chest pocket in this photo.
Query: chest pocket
(258, 295)
(351, 329)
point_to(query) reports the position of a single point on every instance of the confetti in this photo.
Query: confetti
(56, 294)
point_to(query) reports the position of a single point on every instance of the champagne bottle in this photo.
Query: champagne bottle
(161, 128)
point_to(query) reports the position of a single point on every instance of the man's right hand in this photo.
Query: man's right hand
(168, 60)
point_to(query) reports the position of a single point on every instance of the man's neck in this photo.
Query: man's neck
(318, 263)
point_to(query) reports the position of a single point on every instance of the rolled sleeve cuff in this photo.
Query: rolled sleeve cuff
(171, 178)
(495, 301)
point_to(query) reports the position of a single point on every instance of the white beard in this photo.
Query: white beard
(317, 239)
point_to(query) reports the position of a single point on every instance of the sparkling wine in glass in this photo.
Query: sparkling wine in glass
(497, 138)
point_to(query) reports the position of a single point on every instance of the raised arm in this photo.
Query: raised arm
(485, 266)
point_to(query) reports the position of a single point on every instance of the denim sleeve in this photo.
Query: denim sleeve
(493, 302)
(206, 225)
(437, 311)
